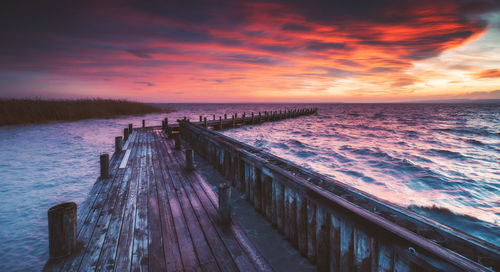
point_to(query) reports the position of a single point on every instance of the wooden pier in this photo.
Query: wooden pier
(154, 212)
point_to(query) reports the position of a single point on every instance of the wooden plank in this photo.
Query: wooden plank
(302, 224)
(107, 256)
(362, 254)
(385, 258)
(188, 254)
(125, 159)
(322, 239)
(203, 251)
(171, 247)
(286, 213)
(334, 242)
(311, 231)
(73, 262)
(140, 242)
(280, 208)
(124, 249)
(95, 244)
(257, 189)
(155, 242)
(346, 246)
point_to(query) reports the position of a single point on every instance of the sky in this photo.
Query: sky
(251, 51)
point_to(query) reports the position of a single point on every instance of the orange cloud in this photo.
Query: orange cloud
(491, 73)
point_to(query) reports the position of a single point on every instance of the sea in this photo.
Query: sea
(439, 160)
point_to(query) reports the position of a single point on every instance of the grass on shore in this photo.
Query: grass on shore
(30, 111)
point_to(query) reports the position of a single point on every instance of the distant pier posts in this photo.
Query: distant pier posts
(214, 117)
(125, 134)
(205, 122)
(177, 139)
(189, 159)
(118, 144)
(224, 204)
(220, 122)
(62, 229)
(130, 128)
(143, 123)
(104, 159)
(225, 116)
(200, 118)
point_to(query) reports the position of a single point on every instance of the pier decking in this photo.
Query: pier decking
(152, 214)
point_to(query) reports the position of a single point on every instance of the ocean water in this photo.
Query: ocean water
(441, 160)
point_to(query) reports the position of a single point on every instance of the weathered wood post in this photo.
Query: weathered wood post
(118, 144)
(62, 229)
(236, 115)
(225, 204)
(169, 132)
(130, 127)
(225, 116)
(260, 117)
(143, 123)
(214, 117)
(252, 118)
(205, 122)
(177, 139)
(166, 122)
(200, 118)
(220, 122)
(125, 134)
(104, 159)
(233, 121)
(189, 159)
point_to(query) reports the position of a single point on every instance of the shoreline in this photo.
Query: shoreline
(37, 111)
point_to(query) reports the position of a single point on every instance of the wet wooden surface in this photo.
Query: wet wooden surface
(152, 214)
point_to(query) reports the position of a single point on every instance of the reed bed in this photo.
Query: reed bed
(31, 111)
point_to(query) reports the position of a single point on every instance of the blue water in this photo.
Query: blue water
(440, 160)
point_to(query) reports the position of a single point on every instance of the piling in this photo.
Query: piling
(104, 158)
(118, 144)
(205, 122)
(200, 118)
(189, 159)
(166, 122)
(62, 229)
(169, 132)
(177, 139)
(233, 121)
(125, 134)
(214, 117)
(130, 128)
(220, 122)
(143, 123)
(225, 116)
(224, 204)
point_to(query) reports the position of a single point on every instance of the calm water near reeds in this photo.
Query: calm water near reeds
(441, 160)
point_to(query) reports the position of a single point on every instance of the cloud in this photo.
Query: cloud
(491, 73)
(146, 83)
(171, 44)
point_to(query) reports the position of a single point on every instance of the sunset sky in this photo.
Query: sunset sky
(251, 51)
